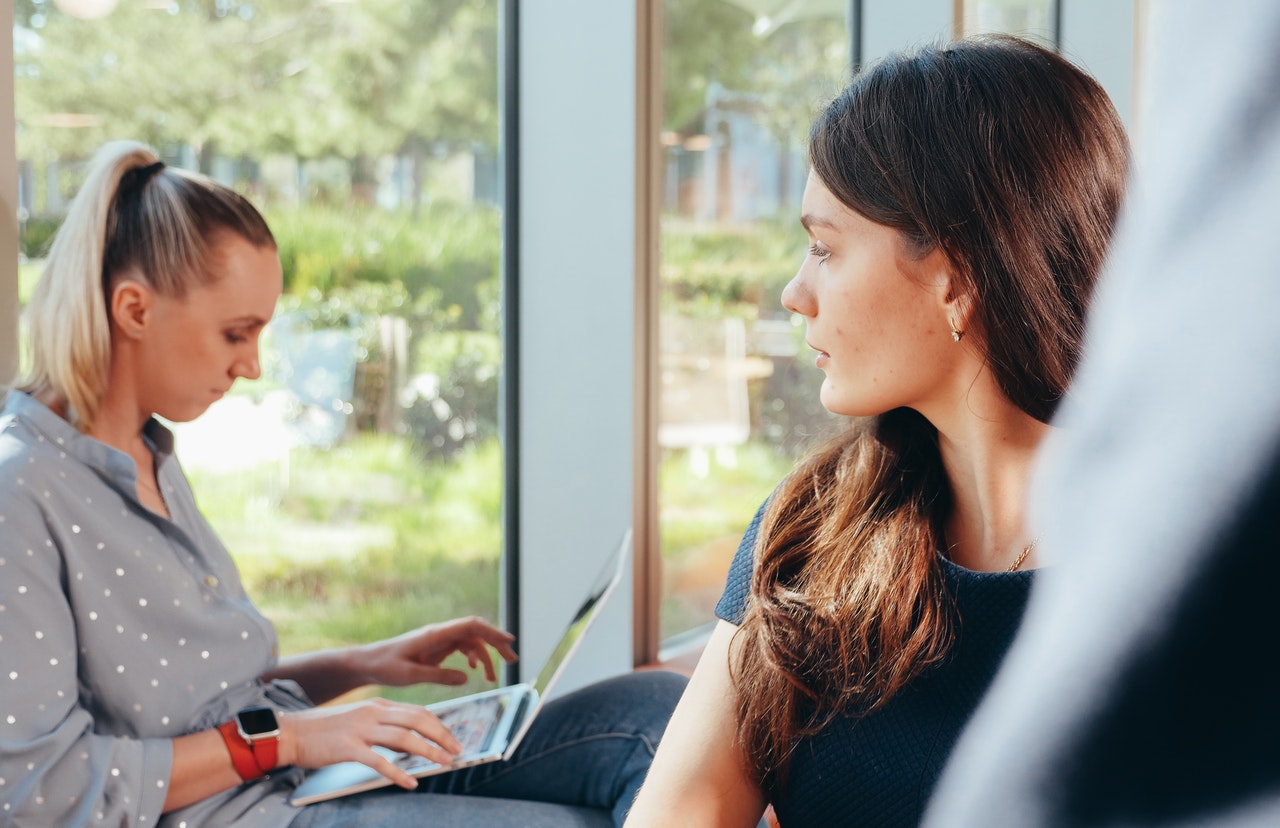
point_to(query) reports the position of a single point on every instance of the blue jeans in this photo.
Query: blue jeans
(580, 764)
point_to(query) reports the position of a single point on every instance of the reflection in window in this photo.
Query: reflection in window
(358, 483)
(738, 391)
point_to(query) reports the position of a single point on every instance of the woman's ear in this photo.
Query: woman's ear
(958, 301)
(130, 309)
(950, 288)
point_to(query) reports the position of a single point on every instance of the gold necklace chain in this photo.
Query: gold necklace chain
(1022, 556)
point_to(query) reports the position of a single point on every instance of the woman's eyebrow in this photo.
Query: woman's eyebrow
(245, 321)
(811, 220)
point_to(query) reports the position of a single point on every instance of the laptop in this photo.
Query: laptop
(489, 724)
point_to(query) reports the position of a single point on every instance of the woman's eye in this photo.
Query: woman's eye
(819, 252)
(235, 338)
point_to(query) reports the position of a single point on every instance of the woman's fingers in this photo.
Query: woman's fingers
(478, 656)
(507, 652)
(439, 675)
(322, 736)
(416, 656)
(482, 632)
(390, 769)
(407, 741)
(421, 732)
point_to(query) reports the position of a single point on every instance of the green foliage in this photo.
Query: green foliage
(36, 235)
(363, 541)
(789, 70)
(703, 42)
(291, 76)
(703, 517)
(460, 406)
(356, 308)
(719, 271)
(698, 508)
(438, 272)
(443, 262)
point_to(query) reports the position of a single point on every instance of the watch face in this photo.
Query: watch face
(257, 721)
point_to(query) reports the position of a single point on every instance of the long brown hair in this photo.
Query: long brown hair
(1013, 161)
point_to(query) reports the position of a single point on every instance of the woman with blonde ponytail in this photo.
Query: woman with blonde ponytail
(959, 206)
(67, 315)
(141, 686)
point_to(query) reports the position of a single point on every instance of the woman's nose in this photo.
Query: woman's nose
(248, 366)
(796, 296)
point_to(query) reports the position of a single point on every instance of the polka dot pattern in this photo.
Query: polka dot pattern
(119, 631)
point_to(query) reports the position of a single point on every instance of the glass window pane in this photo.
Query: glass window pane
(1030, 18)
(738, 390)
(358, 483)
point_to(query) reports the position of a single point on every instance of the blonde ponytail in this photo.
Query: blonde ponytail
(68, 327)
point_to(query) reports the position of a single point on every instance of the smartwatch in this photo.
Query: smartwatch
(252, 738)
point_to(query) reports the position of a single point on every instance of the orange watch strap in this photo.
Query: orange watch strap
(264, 752)
(242, 756)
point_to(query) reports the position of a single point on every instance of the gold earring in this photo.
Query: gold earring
(956, 335)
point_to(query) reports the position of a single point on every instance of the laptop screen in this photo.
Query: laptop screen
(604, 585)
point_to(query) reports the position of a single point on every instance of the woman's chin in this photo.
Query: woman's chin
(184, 414)
(842, 405)
(831, 399)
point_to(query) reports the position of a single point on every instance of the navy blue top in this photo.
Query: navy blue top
(881, 769)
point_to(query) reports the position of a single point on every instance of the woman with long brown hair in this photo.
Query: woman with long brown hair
(959, 209)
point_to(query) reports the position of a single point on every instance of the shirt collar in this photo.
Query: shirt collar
(109, 461)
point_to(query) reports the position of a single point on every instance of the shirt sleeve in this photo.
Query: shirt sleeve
(733, 602)
(54, 768)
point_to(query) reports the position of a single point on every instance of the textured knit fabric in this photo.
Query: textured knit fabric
(881, 769)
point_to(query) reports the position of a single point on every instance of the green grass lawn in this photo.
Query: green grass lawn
(701, 523)
(363, 541)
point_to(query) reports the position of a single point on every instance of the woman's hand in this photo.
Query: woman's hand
(344, 733)
(411, 658)
(415, 656)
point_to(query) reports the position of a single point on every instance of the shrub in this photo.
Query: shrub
(447, 254)
(721, 271)
(36, 235)
(453, 402)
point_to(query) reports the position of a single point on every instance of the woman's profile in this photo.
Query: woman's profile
(959, 206)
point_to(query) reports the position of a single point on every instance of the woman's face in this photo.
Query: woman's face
(877, 315)
(199, 345)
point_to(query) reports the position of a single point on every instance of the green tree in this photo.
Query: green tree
(303, 77)
(789, 68)
(704, 42)
(130, 74)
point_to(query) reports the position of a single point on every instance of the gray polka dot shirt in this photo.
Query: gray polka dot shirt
(119, 630)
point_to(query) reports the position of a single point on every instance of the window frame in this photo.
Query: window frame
(8, 201)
